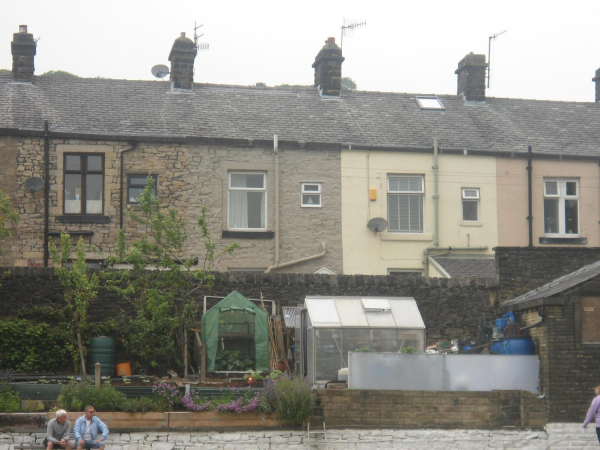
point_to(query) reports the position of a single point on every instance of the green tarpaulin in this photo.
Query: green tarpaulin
(233, 320)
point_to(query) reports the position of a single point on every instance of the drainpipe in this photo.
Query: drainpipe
(276, 156)
(46, 192)
(449, 249)
(436, 197)
(133, 147)
(298, 261)
(530, 216)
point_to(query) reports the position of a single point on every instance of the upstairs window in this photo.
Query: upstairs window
(136, 185)
(83, 183)
(311, 195)
(430, 102)
(247, 209)
(470, 204)
(561, 207)
(405, 203)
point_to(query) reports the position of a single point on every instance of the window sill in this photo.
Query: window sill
(463, 223)
(83, 218)
(563, 240)
(406, 237)
(247, 234)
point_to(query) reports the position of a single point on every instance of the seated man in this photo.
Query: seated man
(58, 432)
(86, 430)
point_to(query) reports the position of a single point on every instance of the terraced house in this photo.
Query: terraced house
(304, 179)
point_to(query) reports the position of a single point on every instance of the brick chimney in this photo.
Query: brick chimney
(595, 80)
(182, 58)
(23, 51)
(328, 69)
(471, 77)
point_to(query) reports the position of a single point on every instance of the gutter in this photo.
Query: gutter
(277, 230)
(298, 261)
(436, 197)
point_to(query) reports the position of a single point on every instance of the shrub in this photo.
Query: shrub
(76, 395)
(9, 399)
(408, 349)
(291, 397)
(141, 404)
(27, 346)
(365, 350)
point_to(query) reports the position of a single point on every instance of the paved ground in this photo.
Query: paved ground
(556, 436)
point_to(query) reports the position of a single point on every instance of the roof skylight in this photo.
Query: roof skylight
(430, 102)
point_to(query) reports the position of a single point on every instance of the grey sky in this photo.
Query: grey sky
(550, 51)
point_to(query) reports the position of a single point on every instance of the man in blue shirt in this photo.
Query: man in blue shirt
(86, 430)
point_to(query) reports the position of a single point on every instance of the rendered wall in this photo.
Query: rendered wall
(513, 228)
(368, 254)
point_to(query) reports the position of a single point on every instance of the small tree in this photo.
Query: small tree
(80, 288)
(161, 282)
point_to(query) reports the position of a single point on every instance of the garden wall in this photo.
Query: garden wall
(451, 308)
(431, 409)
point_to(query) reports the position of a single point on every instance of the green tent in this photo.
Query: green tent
(236, 324)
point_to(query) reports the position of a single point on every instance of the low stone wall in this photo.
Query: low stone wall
(427, 409)
(557, 436)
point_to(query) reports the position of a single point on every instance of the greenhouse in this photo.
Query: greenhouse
(327, 328)
(236, 334)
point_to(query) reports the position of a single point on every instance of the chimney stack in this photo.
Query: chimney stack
(471, 77)
(23, 51)
(182, 58)
(595, 80)
(328, 69)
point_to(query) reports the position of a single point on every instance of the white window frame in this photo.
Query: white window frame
(562, 196)
(263, 189)
(475, 200)
(398, 193)
(430, 102)
(317, 192)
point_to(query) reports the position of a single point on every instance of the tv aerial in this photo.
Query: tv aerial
(348, 28)
(377, 225)
(489, 68)
(201, 46)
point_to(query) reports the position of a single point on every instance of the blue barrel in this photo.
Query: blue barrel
(501, 323)
(518, 345)
(466, 348)
(102, 350)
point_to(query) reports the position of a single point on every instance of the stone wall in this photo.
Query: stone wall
(521, 269)
(451, 308)
(189, 177)
(416, 409)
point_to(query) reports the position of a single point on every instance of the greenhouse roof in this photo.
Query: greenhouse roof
(364, 312)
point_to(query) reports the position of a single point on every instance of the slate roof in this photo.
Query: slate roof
(394, 120)
(554, 287)
(468, 267)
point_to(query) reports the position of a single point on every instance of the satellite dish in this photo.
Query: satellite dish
(34, 184)
(377, 224)
(160, 71)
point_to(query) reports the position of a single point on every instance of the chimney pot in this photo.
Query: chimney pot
(596, 80)
(23, 49)
(471, 77)
(328, 69)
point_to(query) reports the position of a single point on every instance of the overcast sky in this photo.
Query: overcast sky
(550, 50)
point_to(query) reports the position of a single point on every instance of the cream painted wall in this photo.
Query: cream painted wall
(513, 204)
(365, 253)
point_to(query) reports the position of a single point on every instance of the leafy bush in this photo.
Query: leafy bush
(27, 346)
(365, 350)
(76, 395)
(9, 399)
(408, 349)
(291, 397)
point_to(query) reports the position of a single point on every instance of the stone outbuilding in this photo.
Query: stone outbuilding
(563, 318)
